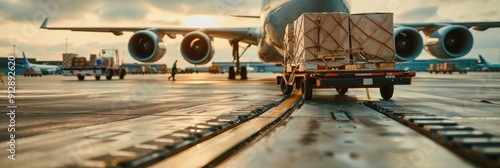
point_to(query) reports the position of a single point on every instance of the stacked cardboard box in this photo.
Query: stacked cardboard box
(289, 42)
(322, 38)
(79, 62)
(331, 40)
(372, 36)
(68, 60)
(147, 69)
(91, 62)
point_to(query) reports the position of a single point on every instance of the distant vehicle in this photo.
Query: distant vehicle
(214, 69)
(48, 69)
(105, 65)
(32, 72)
(445, 67)
(489, 66)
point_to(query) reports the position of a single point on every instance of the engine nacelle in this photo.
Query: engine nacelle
(196, 48)
(146, 46)
(409, 43)
(450, 42)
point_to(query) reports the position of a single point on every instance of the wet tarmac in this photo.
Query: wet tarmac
(62, 122)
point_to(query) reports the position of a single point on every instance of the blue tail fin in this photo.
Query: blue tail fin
(483, 61)
(25, 61)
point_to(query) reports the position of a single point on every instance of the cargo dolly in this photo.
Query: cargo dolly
(342, 80)
(341, 51)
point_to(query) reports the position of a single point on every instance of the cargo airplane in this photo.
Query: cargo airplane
(48, 69)
(489, 66)
(446, 40)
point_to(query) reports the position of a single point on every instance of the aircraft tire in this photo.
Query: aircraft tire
(97, 77)
(122, 74)
(285, 89)
(232, 73)
(109, 74)
(306, 89)
(342, 91)
(387, 91)
(81, 78)
(243, 73)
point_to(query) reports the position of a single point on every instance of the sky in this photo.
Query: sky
(20, 21)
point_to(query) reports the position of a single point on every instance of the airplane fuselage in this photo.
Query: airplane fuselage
(49, 69)
(276, 14)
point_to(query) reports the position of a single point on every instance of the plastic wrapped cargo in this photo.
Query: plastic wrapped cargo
(372, 37)
(320, 38)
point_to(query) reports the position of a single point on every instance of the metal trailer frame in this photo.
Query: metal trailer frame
(96, 71)
(342, 80)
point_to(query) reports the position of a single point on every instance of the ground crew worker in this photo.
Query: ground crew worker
(174, 70)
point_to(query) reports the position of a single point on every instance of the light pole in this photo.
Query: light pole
(66, 45)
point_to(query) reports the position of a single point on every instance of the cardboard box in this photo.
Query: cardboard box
(92, 59)
(333, 34)
(289, 43)
(353, 67)
(373, 33)
(68, 60)
(79, 62)
(322, 37)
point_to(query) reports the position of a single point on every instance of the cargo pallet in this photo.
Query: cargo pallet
(340, 50)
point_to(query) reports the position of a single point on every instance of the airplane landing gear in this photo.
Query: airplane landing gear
(242, 71)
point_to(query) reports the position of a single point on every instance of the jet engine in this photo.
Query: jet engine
(450, 42)
(409, 43)
(196, 48)
(146, 46)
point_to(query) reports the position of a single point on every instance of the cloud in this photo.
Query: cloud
(36, 10)
(5, 42)
(134, 10)
(211, 7)
(419, 14)
(484, 10)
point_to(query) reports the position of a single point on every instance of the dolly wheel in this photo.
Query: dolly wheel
(387, 91)
(341, 91)
(306, 89)
(285, 89)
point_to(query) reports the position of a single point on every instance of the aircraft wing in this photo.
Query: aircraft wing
(480, 26)
(248, 35)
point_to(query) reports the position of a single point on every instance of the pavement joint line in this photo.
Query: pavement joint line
(213, 128)
(223, 145)
(286, 109)
(441, 134)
